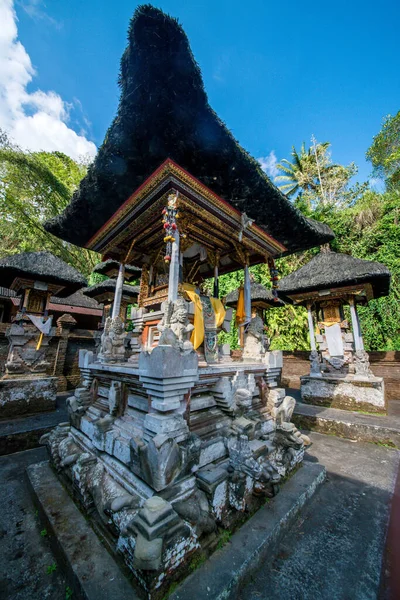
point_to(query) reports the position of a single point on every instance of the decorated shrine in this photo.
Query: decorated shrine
(104, 293)
(35, 277)
(339, 373)
(172, 440)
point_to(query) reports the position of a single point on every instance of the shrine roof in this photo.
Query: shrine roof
(77, 299)
(164, 114)
(108, 287)
(110, 268)
(41, 266)
(258, 293)
(333, 270)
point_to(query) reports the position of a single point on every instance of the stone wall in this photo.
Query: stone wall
(383, 364)
(63, 354)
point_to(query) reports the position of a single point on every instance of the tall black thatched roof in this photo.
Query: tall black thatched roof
(41, 266)
(164, 113)
(110, 267)
(108, 287)
(258, 293)
(332, 269)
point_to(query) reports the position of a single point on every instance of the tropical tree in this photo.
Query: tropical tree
(35, 186)
(384, 152)
(314, 179)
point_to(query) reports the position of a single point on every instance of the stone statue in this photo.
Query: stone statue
(255, 341)
(361, 363)
(315, 364)
(112, 348)
(175, 321)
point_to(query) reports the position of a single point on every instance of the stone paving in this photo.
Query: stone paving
(28, 569)
(335, 550)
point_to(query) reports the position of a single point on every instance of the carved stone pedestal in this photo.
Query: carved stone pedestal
(352, 392)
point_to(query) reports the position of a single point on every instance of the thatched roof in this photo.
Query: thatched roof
(258, 293)
(331, 270)
(108, 287)
(164, 113)
(77, 299)
(110, 268)
(41, 266)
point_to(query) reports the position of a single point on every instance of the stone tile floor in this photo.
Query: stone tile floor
(28, 569)
(335, 551)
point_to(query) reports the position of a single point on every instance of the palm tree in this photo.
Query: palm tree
(303, 174)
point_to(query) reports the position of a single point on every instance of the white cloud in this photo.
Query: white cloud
(268, 164)
(33, 120)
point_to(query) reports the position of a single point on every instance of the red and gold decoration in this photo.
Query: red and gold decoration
(274, 278)
(170, 215)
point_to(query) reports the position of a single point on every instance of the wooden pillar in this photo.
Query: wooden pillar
(118, 291)
(358, 343)
(173, 281)
(311, 327)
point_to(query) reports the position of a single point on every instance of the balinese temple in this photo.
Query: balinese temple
(104, 293)
(176, 441)
(35, 277)
(110, 268)
(340, 375)
(262, 300)
(86, 312)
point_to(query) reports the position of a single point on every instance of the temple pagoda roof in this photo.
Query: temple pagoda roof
(105, 290)
(41, 266)
(110, 268)
(334, 270)
(259, 293)
(78, 299)
(164, 114)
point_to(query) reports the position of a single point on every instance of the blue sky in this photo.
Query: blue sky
(276, 73)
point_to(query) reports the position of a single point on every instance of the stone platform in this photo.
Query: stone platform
(220, 577)
(379, 429)
(347, 393)
(23, 396)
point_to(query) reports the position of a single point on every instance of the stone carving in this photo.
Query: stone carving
(112, 347)
(315, 364)
(25, 357)
(255, 344)
(175, 320)
(115, 398)
(361, 363)
(196, 510)
(155, 523)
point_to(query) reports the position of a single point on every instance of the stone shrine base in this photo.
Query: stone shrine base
(249, 547)
(347, 393)
(22, 396)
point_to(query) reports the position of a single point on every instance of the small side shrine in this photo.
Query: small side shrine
(35, 277)
(167, 445)
(104, 293)
(253, 335)
(340, 375)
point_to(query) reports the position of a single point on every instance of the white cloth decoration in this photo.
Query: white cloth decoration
(43, 326)
(334, 340)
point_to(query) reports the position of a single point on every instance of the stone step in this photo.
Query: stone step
(384, 430)
(25, 432)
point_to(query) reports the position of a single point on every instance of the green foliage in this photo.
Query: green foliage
(35, 186)
(51, 568)
(287, 328)
(384, 152)
(313, 179)
(43, 533)
(68, 593)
